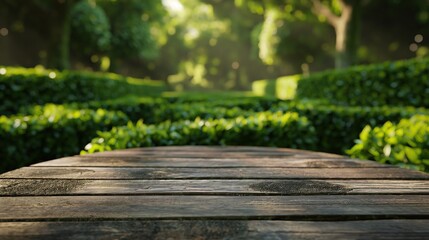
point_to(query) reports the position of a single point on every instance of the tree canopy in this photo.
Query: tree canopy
(210, 43)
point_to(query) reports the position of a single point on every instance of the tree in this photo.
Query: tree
(49, 18)
(342, 15)
(346, 26)
(131, 24)
(119, 29)
(90, 29)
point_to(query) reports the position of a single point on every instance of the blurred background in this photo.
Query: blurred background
(210, 44)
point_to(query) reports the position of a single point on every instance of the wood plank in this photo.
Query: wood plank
(212, 173)
(202, 148)
(51, 187)
(161, 154)
(210, 152)
(206, 229)
(117, 161)
(320, 207)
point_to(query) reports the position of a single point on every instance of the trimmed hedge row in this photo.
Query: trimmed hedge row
(337, 126)
(401, 83)
(23, 87)
(262, 129)
(55, 132)
(282, 87)
(405, 144)
(156, 110)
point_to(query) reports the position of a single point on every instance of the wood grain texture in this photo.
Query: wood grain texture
(51, 187)
(290, 162)
(320, 207)
(216, 229)
(212, 173)
(213, 152)
(203, 192)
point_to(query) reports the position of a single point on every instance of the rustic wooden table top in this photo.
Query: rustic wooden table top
(213, 193)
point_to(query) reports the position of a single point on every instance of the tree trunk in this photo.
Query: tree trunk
(59, 37)
(347, 35)
(346, 30)
(353, 32)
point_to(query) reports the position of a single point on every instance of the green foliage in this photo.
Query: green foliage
(97, 102)
(405, 144)
(90, 28)
(22, 87)
(403, 83)
(187, 107)
(178, 112)
(282, 88)
(53, 131)
(268, 38)
(130, 27)
(337, 126)
(131, 38)
(264, 129)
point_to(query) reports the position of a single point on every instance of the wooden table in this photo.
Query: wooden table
(213, 193)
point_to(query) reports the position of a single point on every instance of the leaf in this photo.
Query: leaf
(365, 133)
(412, 155)
(387, 150)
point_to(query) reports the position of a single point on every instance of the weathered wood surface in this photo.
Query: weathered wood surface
(151, 162)
(217, 229)
(55, 187)
(213, 193)
(348, 207)
(212, 173)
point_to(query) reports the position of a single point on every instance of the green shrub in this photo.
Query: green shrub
(90, 27)
(401, 83)
(26, 87)
(337, 126)
(217, 108)
(282, 87)
(405, 144)
(243, 102)
(55, 132)
(156, 110)
(204, 96)
(262, 129)
(179, 112)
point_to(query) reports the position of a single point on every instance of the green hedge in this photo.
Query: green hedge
(282, 87)
(55, 132)
(25, 87)
(263, 129)
(191, 108)
(156, 110)
(337, 126)
(401, 83)
(405, 144)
